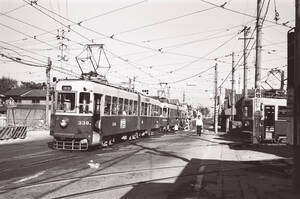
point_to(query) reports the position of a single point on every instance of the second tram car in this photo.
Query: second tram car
(273, 117)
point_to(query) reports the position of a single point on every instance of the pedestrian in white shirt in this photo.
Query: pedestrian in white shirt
(199, 124)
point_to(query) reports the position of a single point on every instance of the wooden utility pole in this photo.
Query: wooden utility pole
(216, 100)
(296, 174)
(257, 111)
(233, 88)
(245, 54)
(48, 69)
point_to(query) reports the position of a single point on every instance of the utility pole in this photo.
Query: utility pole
(245, 88)
(258, 45)
(216, 100)
(48, 69)
(296, 174)
(257, 112)
(133, 82)
(233, 88)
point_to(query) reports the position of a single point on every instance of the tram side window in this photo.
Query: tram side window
(66, 102)
(149, 110)
(143, 109)
(135, 108)
(130, 107)
(165, 112)
(282, 112)
(120, 112)
(126, 108)
(84, 102)
(114, 107)
(107, 105)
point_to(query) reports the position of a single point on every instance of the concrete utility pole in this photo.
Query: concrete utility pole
(259, 22)
(296, 175)
(48, 69)
(233, 88)
(246, 32)
(216, 99)
(257, 112)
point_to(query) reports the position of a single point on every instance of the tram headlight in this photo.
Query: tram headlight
(64, 122)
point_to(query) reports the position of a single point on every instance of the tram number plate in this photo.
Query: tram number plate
(123, 123)
(84, 123)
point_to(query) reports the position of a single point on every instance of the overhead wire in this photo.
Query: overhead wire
(14, 9)
(241, 13)
(20, 32)
(165, 20)
(237, 64)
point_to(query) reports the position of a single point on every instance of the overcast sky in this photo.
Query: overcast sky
(154, 40)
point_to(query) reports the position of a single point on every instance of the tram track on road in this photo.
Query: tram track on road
(38, 163)
(65, 180)
(133, 184)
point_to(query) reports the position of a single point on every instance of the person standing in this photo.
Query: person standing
(199, 124)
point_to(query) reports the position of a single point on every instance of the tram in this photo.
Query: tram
(88, 112)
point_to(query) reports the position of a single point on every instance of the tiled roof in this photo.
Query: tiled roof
(25, 92)
(16, 92)
(35, 93)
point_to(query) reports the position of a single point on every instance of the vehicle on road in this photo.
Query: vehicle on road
(89, 112)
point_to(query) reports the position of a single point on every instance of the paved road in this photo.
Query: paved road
(32, 170)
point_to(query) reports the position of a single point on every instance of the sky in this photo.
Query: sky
(157, 41)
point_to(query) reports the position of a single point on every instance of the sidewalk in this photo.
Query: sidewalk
(30, 136)
(233, 169)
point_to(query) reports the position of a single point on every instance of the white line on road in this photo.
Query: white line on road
(200, 177)
(30, 177)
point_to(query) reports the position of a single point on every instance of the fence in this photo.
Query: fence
(13, 132)
(3, 120)
(32, 116)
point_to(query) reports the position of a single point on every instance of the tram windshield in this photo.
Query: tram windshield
(84, 102)
(66, 102)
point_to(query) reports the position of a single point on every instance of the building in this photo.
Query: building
(26, 96)
(26, 107)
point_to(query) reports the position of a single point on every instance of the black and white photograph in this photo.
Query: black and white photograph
(149, 99)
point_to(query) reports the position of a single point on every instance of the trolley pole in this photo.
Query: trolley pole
(233, 89)
(257, 112)
(48, 69)
(216, 100)
(296, 174)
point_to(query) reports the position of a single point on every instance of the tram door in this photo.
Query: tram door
(269, 122)
(96, 112)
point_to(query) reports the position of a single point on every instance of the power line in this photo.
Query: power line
(22, 61)
(12, 10)
(203, 57)
(66, 26)
(190, 77)
(84, 20)
(166, 20)
(26, 35)
(112, 11)
(245, 14)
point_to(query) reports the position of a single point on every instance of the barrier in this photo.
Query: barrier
(13, 132)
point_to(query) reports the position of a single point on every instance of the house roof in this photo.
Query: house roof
(35, 93)
(25, 92)
(16, 92)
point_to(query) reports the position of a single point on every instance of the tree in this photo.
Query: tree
(7, 83)
(32, 85)
(204, 110)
